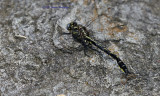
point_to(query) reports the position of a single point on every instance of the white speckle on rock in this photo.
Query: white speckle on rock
(2, 70)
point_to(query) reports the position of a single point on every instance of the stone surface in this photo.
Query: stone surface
(37, 60)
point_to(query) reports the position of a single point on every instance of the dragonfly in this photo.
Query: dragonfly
(82, 35)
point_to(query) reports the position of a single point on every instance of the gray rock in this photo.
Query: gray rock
(37, 60)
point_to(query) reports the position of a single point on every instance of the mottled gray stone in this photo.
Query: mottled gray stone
(37, 60)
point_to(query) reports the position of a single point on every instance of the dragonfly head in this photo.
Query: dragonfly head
(71, 26)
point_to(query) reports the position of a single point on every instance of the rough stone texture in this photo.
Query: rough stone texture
(48, 63)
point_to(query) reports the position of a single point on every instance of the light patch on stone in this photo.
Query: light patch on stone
(156, 49)
(114, 49)
(94, 61)
(69, 18)
(58, 86)
(134, 37)
(111, 64)
(20, 36)
(61, 95)
(80, 2)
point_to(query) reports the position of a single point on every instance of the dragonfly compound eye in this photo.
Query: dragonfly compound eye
(69, 26)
